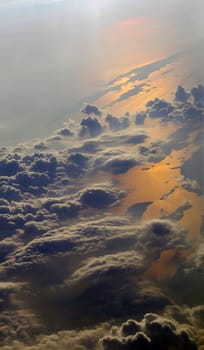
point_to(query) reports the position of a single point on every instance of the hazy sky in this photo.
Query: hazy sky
(54, 54)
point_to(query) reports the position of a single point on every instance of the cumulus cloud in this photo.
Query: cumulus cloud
(75, 263)
(153, 332)
(91, 109)
(119, 165)
(198, 95)
(181, 95)
(92, 126)
(116, 124)
(158, 108)
(100, 197)
(140, 118)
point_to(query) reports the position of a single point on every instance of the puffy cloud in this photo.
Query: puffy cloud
(92, 126)
(40, 146)
(140, 118)
(65, 132)
(161, 234)
(159, 109)
(198, 95)
(86, 339)
(116, 124)
(181, 95)
(153, 332)
(119, 165)
(77, 273)
(9, 167)
(99, 197)
(91, 109)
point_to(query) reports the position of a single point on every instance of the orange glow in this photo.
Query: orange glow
(150, 182)
(167, 265)
(132, 27)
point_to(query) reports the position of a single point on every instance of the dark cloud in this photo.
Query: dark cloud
(40, 146)
(92, 126)
(9, 167)
(99, 197)
(91, 109)
(181, 95)
(65, 132)
(153, 332)
(159, 109)
(140, 118)
(198, 95)
(116, 124)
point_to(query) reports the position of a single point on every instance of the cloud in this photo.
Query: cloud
(193, 168)
(198, 95)
(75, 263)
(91, 109)
(119, 165)
(142, 73)
(65, 132)
(92, 126)
(181, 95)
(132, 92)
(158, 108)
(100, 197)
(116, 124)
(153, 332)
(9, 167)
(140, 118)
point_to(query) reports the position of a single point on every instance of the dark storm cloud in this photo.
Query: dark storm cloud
(91, 109)
(153, 332)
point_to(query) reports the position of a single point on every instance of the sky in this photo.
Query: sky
(101, 175)
(56, 54)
